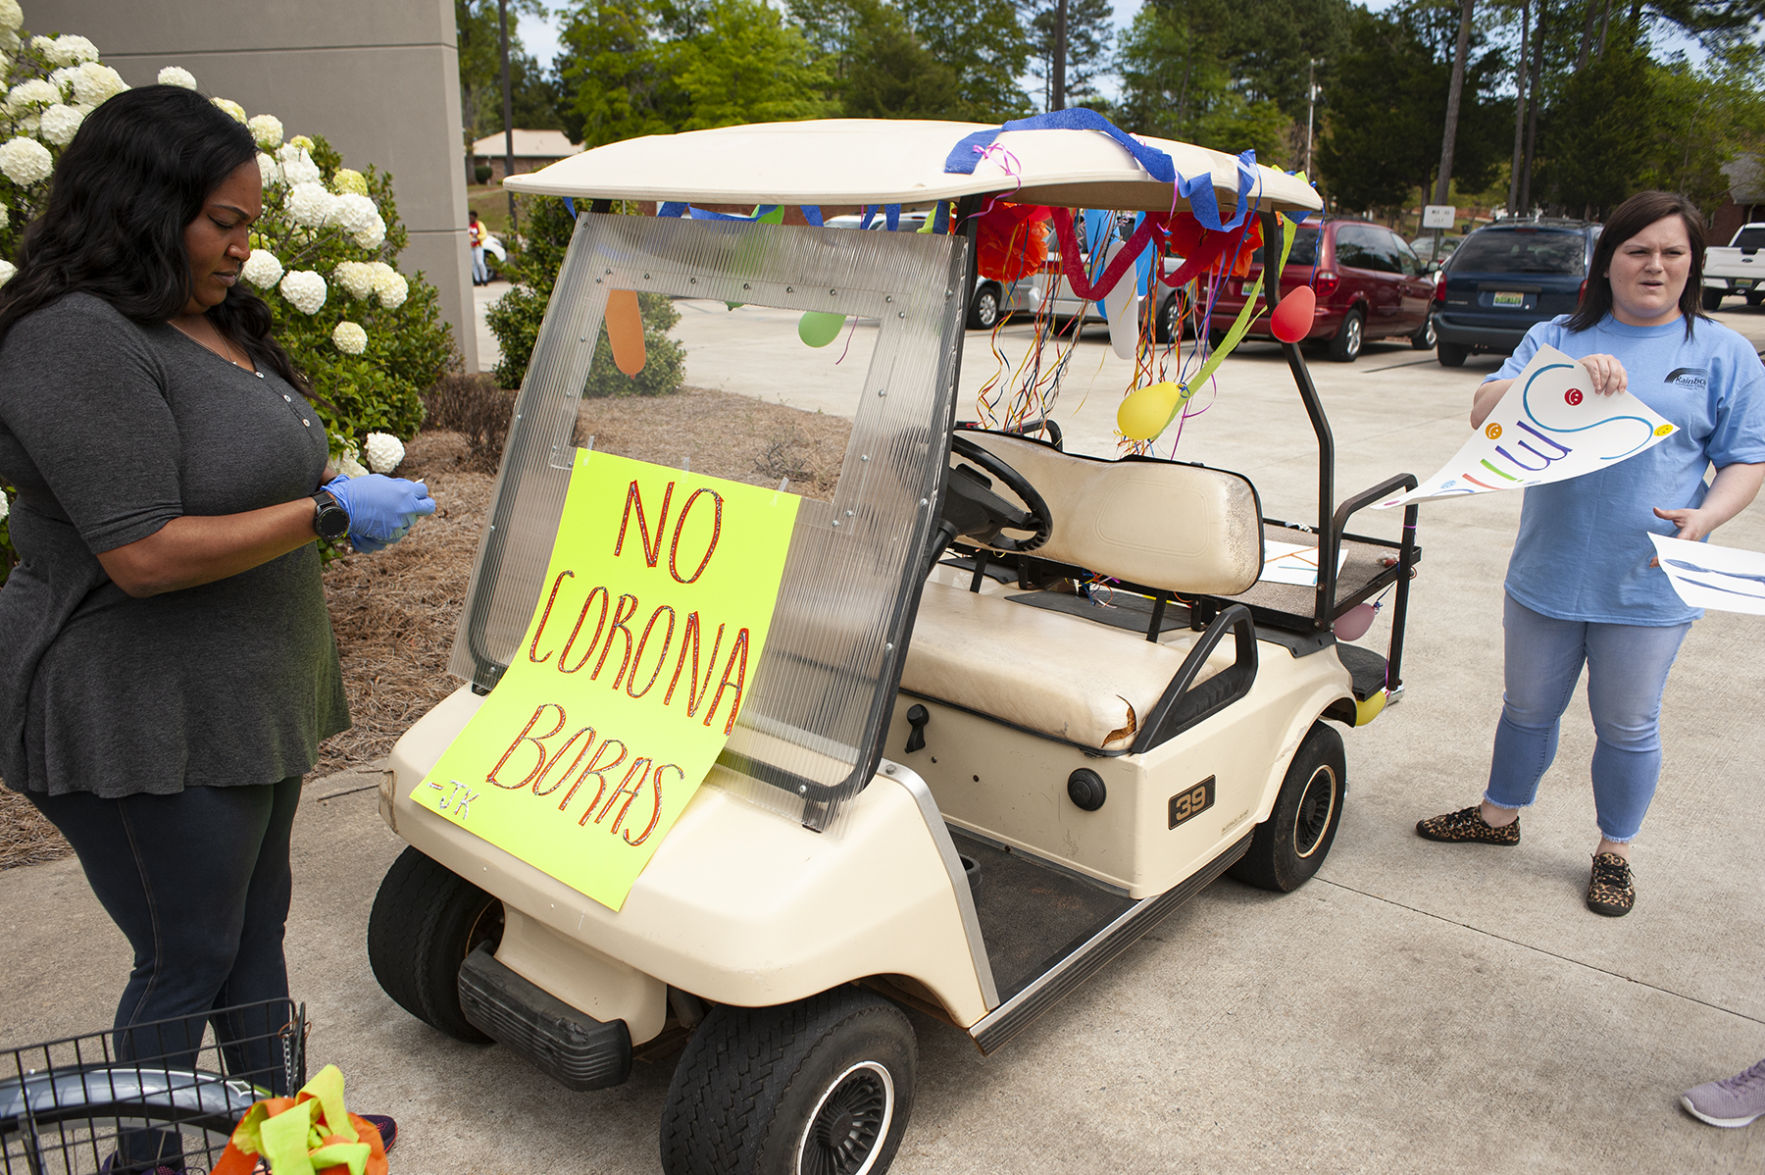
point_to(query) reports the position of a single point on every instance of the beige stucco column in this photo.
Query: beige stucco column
(378, 78)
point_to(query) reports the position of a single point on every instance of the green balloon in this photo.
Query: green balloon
(818, 328)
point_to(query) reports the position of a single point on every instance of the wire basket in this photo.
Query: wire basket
(164, 1094)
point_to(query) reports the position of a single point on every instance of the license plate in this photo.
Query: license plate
(1507, 298)
(1743, 283)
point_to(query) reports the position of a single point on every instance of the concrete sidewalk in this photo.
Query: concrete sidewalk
(1415, 1007)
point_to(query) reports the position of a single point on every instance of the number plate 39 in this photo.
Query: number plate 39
(1191, 802)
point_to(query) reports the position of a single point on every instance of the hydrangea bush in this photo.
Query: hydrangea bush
(369, 339)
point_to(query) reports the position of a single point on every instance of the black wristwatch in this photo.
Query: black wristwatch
(330, 519)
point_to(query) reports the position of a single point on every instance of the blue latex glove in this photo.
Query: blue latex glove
(381, 509)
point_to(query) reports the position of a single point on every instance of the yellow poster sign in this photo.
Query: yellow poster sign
(631, 675)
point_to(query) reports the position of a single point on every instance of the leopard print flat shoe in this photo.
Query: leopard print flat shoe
(1468, 825)
(1611, 891)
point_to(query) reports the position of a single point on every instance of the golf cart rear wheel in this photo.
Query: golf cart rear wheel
(1289, 846)
(819, 1087)
(425, 921)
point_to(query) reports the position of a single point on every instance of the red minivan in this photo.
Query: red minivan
(1369, 284)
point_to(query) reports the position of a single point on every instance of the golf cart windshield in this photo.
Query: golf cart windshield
(809, 735)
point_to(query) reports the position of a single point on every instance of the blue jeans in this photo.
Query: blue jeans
(1627, 668)
(199, 883)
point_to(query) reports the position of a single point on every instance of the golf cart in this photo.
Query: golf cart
(1015, 706)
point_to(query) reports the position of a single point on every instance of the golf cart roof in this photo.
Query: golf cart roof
(874, 161)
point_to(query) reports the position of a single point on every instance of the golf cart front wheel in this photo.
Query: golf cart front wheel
(819, 1087)
(1289, 846)
(425, 921)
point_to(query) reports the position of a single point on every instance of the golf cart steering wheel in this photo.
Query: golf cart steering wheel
(980, 514)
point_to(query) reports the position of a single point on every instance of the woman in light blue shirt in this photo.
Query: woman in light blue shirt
(1582, 584)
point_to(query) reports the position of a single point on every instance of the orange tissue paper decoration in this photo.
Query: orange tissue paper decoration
(1012, 240)
(308, 1134)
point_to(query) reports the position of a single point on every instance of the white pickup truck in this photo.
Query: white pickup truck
(1738, 268)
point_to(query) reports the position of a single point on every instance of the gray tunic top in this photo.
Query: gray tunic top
(109, 431)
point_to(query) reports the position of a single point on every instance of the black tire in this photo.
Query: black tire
(1164, 327)
(1289, 846)
(1712, 299)
(1755, 297)
(424, 923)
(1451, 354)
(1350, 337)
(985, 307)
(823, 1086)
(1425, 338)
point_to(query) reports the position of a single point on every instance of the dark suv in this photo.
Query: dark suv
(1369, 283)
(1506, 277)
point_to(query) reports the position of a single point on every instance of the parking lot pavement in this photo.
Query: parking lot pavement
(1415, 1007)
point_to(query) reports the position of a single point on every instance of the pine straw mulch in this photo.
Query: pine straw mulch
(394, 613)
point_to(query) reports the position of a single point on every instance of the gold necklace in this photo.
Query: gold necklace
(221, 346)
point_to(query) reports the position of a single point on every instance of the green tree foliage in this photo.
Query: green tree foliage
(747, 65)
(532, 94)
(1381, 139)
(1088, 36)
(516, 316)
(1601, 131)
(987, 47)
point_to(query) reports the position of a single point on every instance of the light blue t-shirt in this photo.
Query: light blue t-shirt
(1583, 550)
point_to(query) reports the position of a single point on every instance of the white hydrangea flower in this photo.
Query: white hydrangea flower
(309, 204)
(353, 213)
(356, 278)
(12, 17)
(371, 235)
(33, 93)
(304, 289)
(349, 466)
(383, 451)
(63, 81)
(269, 169)
(7, 269)
(177, 75)
(302, 141)
(390, 286)
(68, 50)
(59, 123)
(261, 269)
(234, 111)
(297, 164)
(25, 161)
(351, 339)
(5, 506)
(5, 216)
(266, 129)
(94, 83)
(349, 181)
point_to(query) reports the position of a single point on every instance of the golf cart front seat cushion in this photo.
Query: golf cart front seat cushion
(1185, 528)
(1182, 528)
(1048, 672)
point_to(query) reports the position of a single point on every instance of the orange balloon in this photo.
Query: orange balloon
(1292, 319)
(625, 331)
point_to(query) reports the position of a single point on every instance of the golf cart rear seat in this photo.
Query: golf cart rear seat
(1146, 524)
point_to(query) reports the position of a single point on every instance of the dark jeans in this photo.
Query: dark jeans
(199, 882)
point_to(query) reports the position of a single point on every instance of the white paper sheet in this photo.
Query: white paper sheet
(1293, 563)
(1545, 428)
(1725, 578)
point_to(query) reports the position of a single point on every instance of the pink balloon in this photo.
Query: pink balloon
(1353, 624)
(1292, 319)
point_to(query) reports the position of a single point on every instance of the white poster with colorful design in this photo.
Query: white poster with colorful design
(1546, 427)
(1705, 576)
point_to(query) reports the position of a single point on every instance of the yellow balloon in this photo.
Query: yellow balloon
(1145, 411)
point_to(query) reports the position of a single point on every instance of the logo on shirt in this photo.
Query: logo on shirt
(1691, 377)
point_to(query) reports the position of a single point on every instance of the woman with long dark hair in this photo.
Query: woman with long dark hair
(169, 667)
(1582, 584)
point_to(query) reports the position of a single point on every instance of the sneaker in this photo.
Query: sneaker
(1611, 891)
(1467, 824)
(1732, 1101)
(385, 1125)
